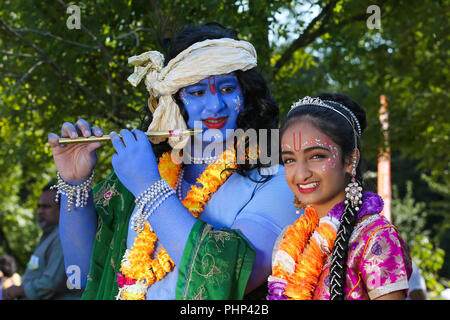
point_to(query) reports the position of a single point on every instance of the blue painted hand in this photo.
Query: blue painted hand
(134, 163)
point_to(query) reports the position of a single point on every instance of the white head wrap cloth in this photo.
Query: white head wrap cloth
(197, 62)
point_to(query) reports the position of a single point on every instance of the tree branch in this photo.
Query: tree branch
(133, 32)
(309, 36)
(17, 84)
(49, 34)
(19, 54)
(306, 37)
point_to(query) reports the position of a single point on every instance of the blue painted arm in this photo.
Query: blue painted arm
(77, 230)
(172, 223)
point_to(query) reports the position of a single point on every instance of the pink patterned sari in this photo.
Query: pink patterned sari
(378, 262)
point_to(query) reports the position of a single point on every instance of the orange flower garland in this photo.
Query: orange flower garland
(211, 179)
(302, 254)
(139, 266)
(138, 269)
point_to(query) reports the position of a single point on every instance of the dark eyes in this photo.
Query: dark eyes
(197, 93)
(201, 92)
(227, 89)
(316, 156)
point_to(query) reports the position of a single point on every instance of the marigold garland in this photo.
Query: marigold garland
(301, 256)
(211, 180)
(138, 269)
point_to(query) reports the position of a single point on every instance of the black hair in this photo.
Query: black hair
(49, 185)
(260, 109)
(339, 129)
(7, 265)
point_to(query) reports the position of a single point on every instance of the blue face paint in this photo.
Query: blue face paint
(216, 101)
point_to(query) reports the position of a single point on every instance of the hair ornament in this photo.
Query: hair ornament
(308, 101)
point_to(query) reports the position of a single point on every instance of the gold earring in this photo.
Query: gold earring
(298, 204)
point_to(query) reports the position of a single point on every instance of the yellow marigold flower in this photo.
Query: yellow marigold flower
(196, 194)
(164, 260)
(131, 296)
(168, 170)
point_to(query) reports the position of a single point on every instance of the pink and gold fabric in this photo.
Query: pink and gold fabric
(378, 262)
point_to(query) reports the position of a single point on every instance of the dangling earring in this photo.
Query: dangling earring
(298, 204)
(354, 190)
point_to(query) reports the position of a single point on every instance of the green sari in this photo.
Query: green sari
(215, 265)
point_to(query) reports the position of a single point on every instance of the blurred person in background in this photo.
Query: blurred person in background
(417, 287)
(8, 273)
(45, 277)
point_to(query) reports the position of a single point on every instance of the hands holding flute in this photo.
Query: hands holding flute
(75, 162)
(134, 162)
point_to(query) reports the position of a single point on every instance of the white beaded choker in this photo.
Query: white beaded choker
(202, 160)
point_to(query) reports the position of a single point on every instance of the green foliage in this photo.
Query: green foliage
(19, 233)
(50, 74)
(430, 260)
(410, 217)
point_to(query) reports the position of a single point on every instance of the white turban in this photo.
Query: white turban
(197, 62)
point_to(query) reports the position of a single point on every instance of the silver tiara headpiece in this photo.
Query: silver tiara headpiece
(308, 101)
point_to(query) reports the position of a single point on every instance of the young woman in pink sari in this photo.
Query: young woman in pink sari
(341, 247)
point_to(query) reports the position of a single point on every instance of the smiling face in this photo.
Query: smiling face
(314, 168)
(216, 101)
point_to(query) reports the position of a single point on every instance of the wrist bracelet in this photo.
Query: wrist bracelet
(80, 192)
(148, 201)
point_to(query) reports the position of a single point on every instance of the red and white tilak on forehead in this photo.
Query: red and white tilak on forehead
(294, 147)
(319, 141)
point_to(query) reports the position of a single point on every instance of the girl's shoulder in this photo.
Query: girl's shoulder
(370, 224)
(374, 237)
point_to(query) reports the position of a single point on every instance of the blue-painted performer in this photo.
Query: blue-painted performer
(136, 235)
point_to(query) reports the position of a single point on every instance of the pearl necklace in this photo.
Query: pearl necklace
(179, 184)
(201, 160)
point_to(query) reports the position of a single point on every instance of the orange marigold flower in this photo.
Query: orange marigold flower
(168, 170)
(308, 253)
